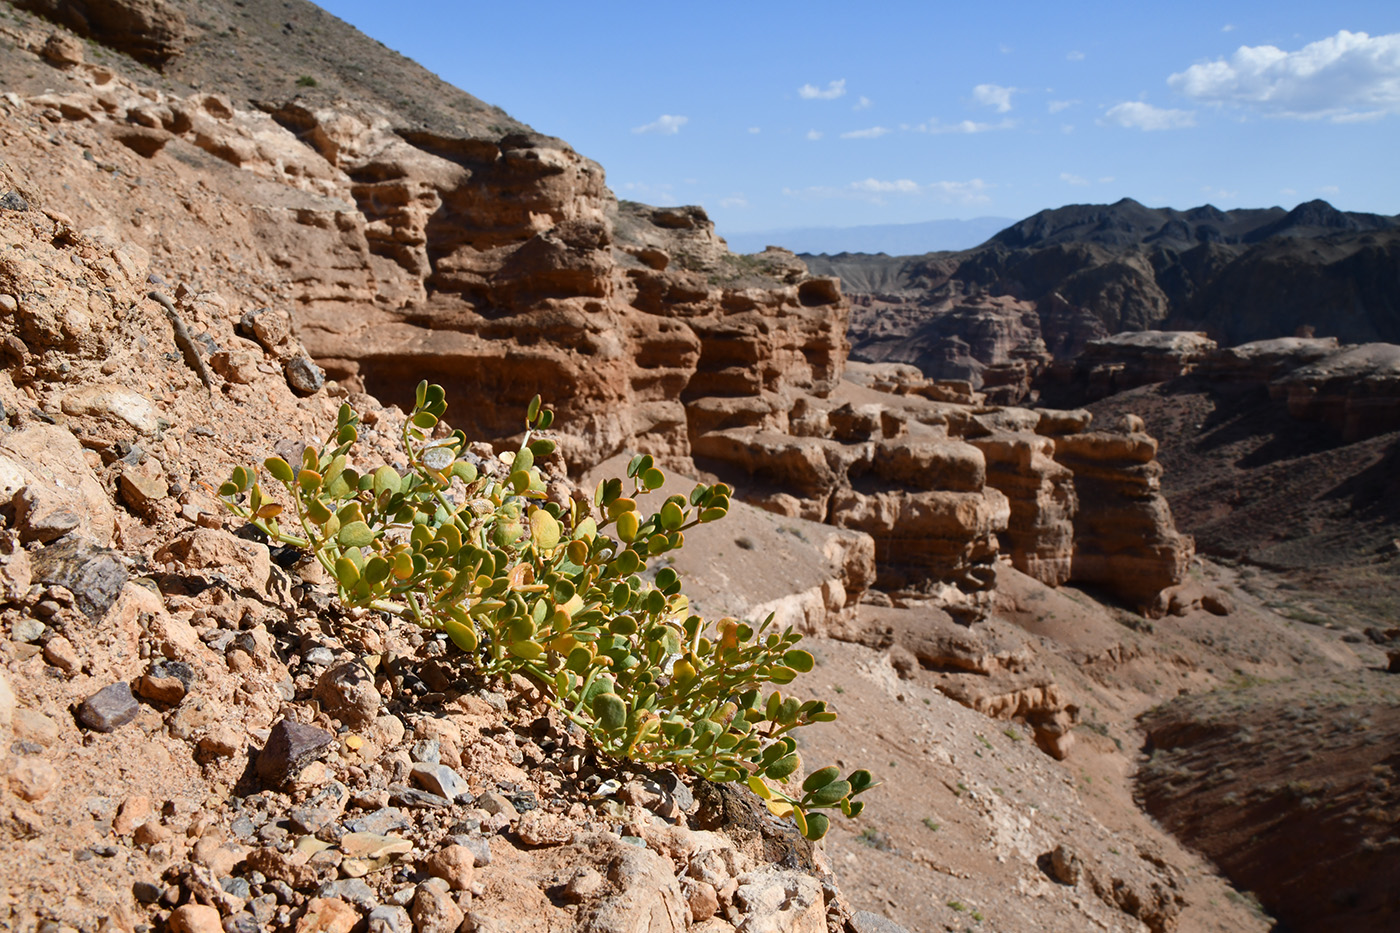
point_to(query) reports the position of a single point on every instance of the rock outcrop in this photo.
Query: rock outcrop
(151, 31)
(1124, 538)
(1355, 388)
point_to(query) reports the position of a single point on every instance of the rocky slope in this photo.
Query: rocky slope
(1057, 280)
(396, 239)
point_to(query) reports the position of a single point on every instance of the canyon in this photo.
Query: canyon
(979, 535)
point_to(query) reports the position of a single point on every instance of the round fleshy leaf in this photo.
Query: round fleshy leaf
(780, 769)
(438, 459)
(627, 526)
(831, 793)
(799, 660)
(610, 711)
(280, 469)
(821, 778)
(544, 530)
(355, 534)
(817, 825)
(346, 573)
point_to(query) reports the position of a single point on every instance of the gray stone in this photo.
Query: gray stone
(242, 922)
(863, 921)
(109, 708)
(304, 376)
(238, 887)
(676, 789)
(320, 656)
(290, 747)
(263, 908)
(146, 892)
(352, 891)
(27, 630)
(441, 780)
(404, 796)
(13, 201)
(389, 919)
(479, 846)
(324, 807)
(427, 751)
(381, 821)
(94, 575)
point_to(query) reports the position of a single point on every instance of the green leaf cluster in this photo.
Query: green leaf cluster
(563, 595)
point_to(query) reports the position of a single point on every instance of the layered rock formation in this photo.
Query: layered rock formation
(945, 489)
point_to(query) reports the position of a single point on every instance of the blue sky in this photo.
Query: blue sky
(778, 115)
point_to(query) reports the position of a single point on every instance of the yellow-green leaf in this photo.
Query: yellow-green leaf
(627, 526)
(280, 469)
(544, 530)
(355, 534)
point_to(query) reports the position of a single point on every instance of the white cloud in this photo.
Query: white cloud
(832, 91)
(1106, 180)
(1141, 116)
(1076, 180)
(1228, 27)
(1075, 56)
(1066, 128)
(966, 126)
(877, 190)
(814, 135)
(1345, 77)
(1219, 194)
(903, 186)
(1329, 189)
(1288, 191)
(864, 103)
(1055, 106)
(665, 125)
(994, 95)
(874, 132)
(734, 201)
(755, 130)
(1004, 49)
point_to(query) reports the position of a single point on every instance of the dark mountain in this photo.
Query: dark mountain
(1085, 271)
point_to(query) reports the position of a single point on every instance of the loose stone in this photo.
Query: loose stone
(109, 708)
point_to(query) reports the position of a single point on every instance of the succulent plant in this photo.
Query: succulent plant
(523, 584)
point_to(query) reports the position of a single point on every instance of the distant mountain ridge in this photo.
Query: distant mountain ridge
(1047, 285)
(1127, 223)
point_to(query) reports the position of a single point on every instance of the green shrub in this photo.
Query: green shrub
(524, 585)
